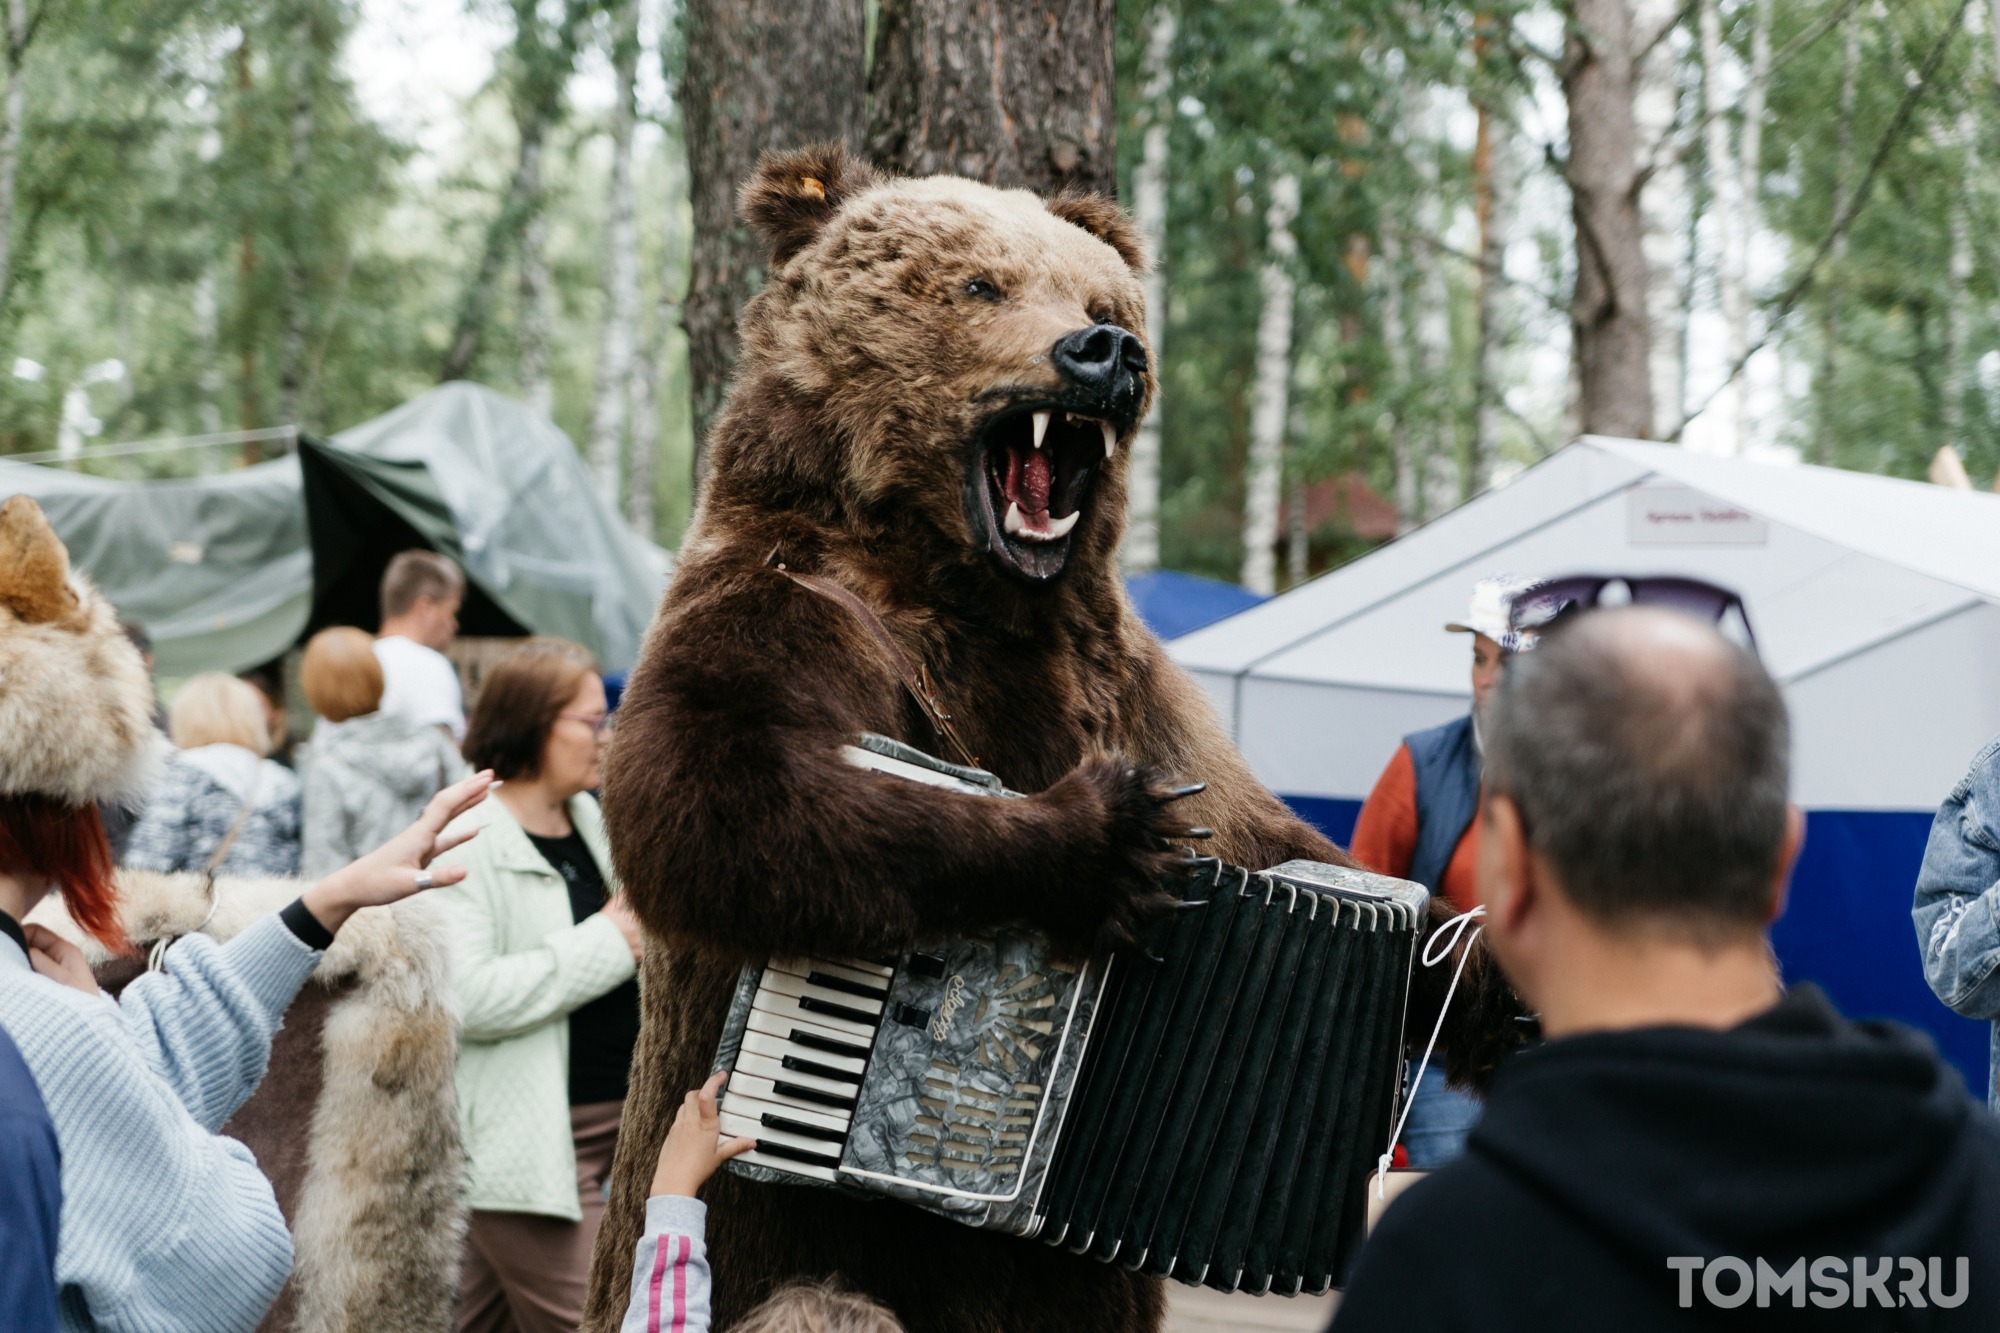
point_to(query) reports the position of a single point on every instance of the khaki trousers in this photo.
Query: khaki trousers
(526, 1273)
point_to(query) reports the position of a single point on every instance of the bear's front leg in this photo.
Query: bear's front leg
(737, 824)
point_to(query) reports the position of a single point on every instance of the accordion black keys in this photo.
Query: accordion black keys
(1209, 1113)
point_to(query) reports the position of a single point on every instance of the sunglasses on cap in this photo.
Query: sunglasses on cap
(1540, 608)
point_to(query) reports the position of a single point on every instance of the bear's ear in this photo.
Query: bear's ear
(34, 567)
(793, 194)
(1107, 222)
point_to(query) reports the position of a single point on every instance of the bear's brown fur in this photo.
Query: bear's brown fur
(901, 319)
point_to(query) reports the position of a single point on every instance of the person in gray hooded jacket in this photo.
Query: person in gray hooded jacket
(368, 772)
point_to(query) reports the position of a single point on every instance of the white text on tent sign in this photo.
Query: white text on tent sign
(1683, 516)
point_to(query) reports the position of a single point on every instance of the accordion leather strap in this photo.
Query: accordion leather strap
(915, 679)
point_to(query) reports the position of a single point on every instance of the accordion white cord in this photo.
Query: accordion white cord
(1449, 934)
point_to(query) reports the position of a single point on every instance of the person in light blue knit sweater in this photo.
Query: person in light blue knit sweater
(165, 1226)
(670, 1279)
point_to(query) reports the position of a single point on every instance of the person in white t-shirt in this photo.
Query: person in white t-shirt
(421, 594)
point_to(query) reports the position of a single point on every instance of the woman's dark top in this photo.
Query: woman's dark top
(603, 1032)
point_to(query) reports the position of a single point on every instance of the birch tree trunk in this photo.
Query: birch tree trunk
(13, 116)
(1750, 175)
(1264, 470)
(544, 60)
(621, 268)
(650, 364)
(1611, 338)
(642, 463)
(1149, 209)
(761, 75)
(1663, 203)
(1010, 92)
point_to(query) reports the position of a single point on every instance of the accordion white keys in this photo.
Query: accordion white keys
(1209, 1113)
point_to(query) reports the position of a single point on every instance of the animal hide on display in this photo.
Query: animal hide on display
(356, 1120)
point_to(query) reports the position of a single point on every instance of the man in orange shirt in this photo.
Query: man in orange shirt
(1418, 825)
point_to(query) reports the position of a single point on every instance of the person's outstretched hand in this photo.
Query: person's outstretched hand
(695, 1147)
(390, 873)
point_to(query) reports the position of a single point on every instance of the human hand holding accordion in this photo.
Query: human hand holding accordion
(1208, 1112)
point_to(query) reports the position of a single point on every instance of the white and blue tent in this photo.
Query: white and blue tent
(1875, 603)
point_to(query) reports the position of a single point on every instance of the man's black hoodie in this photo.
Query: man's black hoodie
(1797, 1136)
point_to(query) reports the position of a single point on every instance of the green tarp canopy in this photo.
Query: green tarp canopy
(229, 571)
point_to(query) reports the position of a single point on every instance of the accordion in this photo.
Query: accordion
(1210, 1112)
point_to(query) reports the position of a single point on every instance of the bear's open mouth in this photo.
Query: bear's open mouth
(1032, 473)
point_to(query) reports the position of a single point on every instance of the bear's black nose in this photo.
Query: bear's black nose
(1103, 359)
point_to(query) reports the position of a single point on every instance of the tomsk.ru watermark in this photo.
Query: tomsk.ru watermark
(1827, 1282)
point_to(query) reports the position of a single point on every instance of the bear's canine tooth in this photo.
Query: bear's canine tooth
(1110, 439)
(1041, 427)
(1013, 523)
(1059, 527)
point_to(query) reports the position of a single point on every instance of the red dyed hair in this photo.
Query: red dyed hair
(66, 844)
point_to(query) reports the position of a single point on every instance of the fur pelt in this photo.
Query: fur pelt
(76, 704)
(871, 361)
(377, 1222)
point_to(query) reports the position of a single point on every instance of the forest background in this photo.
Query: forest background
(1407, 247)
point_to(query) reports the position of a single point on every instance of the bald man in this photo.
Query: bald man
(1694, 1146)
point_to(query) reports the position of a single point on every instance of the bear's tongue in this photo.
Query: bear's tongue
(1030, 478)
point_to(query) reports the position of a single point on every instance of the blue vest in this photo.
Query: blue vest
(1446, 763)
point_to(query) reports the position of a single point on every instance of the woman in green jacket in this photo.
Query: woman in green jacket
(546, 964)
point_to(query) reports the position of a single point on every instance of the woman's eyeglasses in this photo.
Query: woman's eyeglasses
(604, 724)
(1541, 607)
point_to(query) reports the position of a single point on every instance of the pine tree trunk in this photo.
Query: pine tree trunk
(1264, 470)
(621, 268)
(1010, 92)
(1663, 203)
(1610, 333)
(1149, 209)
(761, 75)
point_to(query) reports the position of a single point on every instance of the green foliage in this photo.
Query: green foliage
(203, 197)
(1899, 383)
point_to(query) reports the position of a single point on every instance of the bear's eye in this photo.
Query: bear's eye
(982, 289)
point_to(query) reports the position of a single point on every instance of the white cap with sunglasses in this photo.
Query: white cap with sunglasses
(1491, 612)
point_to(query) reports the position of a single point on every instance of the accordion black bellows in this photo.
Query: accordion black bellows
(1209, 1113)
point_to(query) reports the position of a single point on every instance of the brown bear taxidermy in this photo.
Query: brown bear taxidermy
(933, 408)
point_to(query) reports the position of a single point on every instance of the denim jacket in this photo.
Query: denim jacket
(1957, 907)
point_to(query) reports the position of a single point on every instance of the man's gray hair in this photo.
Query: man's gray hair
(1654, 782)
